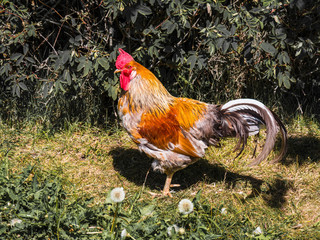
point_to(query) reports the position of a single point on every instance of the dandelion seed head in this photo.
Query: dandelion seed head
(15, 221)
(224, 211)
(185, 206)
(257, 231)
(182, 231)
(169, 229)
(124, 234)
(117, 194)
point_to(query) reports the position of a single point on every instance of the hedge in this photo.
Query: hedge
(57, 57)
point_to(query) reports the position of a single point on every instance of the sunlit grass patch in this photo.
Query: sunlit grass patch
(231, 200)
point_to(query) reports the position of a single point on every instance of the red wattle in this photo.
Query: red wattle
(124, 81)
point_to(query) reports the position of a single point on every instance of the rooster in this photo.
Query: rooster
(175, 132)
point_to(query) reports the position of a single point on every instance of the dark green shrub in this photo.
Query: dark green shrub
(57, 57)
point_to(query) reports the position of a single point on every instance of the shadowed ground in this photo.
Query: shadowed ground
(135, 167)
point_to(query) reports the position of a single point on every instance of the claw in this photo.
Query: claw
(175, 185)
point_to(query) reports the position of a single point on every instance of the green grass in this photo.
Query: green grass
(283, 199)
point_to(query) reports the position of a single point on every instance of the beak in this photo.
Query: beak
(117, 71)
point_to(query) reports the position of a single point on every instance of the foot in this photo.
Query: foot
(164, 194)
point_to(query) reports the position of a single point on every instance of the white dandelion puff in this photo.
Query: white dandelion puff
(15, 221)
(257, 231)
(124, 234)
(182, 231)
(117, 194)
(223, 211)
(169, 229)
(185, 206)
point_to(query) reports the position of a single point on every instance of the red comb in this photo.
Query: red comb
(123, 59)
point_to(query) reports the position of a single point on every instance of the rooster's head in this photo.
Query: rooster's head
(124, 66)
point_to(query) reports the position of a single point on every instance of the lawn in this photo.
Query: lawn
(79, 166)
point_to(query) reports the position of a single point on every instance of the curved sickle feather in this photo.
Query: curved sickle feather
(259, 113)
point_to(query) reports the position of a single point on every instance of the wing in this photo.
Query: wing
(169, 130)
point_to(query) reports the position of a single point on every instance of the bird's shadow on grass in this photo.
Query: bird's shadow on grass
(135, 167)
(303, 149)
